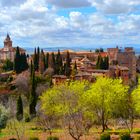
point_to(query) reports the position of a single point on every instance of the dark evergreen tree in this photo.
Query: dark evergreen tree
(75, 66)
(46, 60)
(97, 63)
(31, 68)
(33, 96)
(38, 57)
(59, 63)
(106, 63)
(17, 61)
(53, 62)
(42, 62)
(19, 113)
(24, 64)
(35, 60)
(68, 65)
(101, 63)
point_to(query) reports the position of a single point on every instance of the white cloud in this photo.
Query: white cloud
(35, 23)
(69, 3)
(115, 6)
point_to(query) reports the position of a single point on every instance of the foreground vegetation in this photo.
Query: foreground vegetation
(74, 108)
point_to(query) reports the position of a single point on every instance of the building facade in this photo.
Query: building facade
(8, 51)
(124, 58)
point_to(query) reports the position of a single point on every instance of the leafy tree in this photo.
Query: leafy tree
(104, 97)
(19, 114)
(130, 109)
(8, 65)
(65, 102)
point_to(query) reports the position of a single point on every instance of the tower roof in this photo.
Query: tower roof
(7, 38)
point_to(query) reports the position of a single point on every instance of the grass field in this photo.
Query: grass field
(27, 130)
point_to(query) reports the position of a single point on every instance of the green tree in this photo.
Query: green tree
(35, 60)
(53, 62)
(74, 69)
(104, 98)
(38, 57)
(19, 113)
(68, 65)
(59, 63)
(42, 62)
(46, 60)
(33, 96)
(65, 102)
(8, 65)
(4, 113)
(23, 63)
(17, 61)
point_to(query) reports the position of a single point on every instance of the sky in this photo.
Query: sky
(70, 23)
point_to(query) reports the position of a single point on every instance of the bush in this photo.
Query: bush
(125, 136)
(3, 116)
(105, 136)
(52, 138)
(34, 138)
(27, 118)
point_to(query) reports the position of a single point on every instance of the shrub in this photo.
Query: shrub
(34, 138)
(105, 136)
(3, 116)
(27, 118)
(52, 138)
(125, 136)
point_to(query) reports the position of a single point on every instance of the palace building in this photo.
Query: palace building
(8, 51)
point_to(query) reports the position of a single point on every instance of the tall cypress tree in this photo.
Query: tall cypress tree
(47, 60)
(17, 61)
(31, 68)
(42, 62)
(74, 69)
(53, 62)
(35, 60)
(33, 96)
(19, 113)
(75, 66)
(23, 64)
(38, 57)
(68, 65)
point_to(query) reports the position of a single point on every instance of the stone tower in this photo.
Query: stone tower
(7, 42)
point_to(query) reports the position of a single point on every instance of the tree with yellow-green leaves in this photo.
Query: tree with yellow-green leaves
(104, 97)
(64, 101)
(79, 104)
